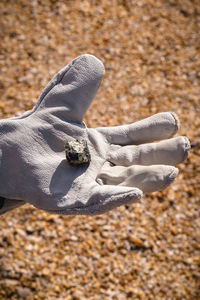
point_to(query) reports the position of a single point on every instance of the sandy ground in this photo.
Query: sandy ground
(151, 52)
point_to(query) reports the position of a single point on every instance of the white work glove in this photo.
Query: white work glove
(124, 161)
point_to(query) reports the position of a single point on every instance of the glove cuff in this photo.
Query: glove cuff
(2, 200)
(8, 204)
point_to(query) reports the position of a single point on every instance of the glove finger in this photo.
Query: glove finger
(157, 127)
(72, 90)
(108, 197)
(146, 178)
(168, 152)
(98, 199)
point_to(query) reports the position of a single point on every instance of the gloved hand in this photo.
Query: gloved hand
(124, 161)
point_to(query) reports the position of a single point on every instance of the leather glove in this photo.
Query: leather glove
(124, 160)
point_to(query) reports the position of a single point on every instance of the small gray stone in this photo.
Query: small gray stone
(77, 152)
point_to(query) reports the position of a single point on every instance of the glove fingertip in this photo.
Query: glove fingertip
(177, 121)
(93, 64)
(187, 147)
(124, 195)
(170, 177)
(173, 174)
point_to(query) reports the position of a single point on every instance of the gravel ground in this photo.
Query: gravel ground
(151, 51)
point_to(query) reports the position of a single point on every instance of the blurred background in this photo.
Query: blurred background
(151, 52)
